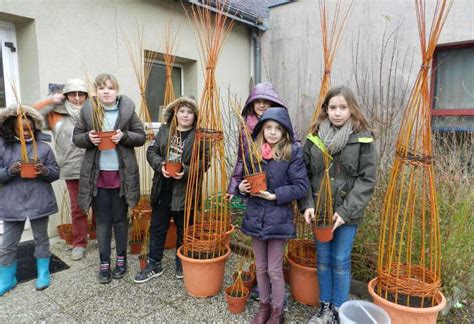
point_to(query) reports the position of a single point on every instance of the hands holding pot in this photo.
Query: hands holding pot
(15, 168)
(41, 169)
(95, 139)
(166, 174)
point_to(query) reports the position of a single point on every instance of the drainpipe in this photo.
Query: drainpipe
(257, 53)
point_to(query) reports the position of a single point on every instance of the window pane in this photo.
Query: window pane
(454, 83)
(3, 101)
(453, 123)
(155, 89)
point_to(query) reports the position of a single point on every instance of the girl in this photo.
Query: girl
(343, 130)
(109, 179)
(23, 198)
(269, 217)
(62, 111)
(168, 192)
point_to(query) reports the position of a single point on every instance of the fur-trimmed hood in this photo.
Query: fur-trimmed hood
(11, 111)
(169, 111)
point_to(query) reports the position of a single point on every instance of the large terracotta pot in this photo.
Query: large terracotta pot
(303, 283)
(203, 278)
(407, 315)
(236, 304)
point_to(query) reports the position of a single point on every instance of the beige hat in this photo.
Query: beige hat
(73, 85)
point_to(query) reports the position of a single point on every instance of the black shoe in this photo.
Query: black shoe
(179, 271)
(152, 270)
(324, 315)
(104, 273)
(120, 267)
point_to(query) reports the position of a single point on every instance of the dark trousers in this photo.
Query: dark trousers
(111, 212)
(159, 227)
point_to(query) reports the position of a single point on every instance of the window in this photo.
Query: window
(453, 87)
(155, 90)
(8, 64)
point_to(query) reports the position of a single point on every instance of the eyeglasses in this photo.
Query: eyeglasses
(76, 94)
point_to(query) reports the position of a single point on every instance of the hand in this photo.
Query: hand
(95, 139)
(166, 174)
(117, 137)
(179, 175)
(228, 196)
(41, 169)
(58, 98)
(338, 221)
(244, 186)
(265, 195)
(308, 215)
(15, 168)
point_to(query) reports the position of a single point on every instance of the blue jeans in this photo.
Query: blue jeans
(334, 265)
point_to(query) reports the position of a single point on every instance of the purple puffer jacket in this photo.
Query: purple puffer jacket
(266, 91)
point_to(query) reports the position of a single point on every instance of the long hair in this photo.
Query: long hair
(282, 149)
(359, 122)
(7, 131)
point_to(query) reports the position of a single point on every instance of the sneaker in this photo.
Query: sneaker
(335, 316)
(255, 294)
(104, 274)
(120, 267)
(77, 253)
(152, 270)
(179, 271)
(324, 315)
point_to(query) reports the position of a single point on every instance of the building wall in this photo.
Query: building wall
(380, 44)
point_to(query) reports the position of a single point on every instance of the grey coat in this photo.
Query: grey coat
(352, 172)
(26, 198)
(133, 136)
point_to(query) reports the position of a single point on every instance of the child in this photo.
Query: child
(169, 192)
(269, 217)
(62, 111)
(343, 130)
(25, 198)
(109, 179)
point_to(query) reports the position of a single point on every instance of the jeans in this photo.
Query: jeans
(334, 265)
(111, 212)
(12, 235)
(159, 227)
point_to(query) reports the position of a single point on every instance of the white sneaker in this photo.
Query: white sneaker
(77, 253)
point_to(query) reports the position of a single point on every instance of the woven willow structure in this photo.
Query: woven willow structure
(205, 228)
(170, 38)
(409, 261)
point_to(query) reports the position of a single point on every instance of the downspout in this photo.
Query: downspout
(257, 54)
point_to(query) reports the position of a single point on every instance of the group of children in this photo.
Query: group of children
(109, 183)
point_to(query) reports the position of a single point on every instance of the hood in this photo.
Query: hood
(263, 90)
(168, 112)
(11, 111)
(73, 85)
(278, 114)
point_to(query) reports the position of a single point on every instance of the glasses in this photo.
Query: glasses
(76, 94)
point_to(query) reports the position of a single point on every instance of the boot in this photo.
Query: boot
(120, 267)
(43, 280)
(7, 277)
(277, 316)
(263, 314)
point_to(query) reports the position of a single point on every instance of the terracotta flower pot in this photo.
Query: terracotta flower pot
(228, 234)
(106, 140)
(322, 233)
(68, 236)
(253, 270)
(258, 182)
(143, 261)
(171, 236)
(203, 278)
(135, 247)
(248, 278)
(173, 167)
(303, 283)
(400, 314)
(60, 229)
(236, 304)
(91, 231)
(28, 170)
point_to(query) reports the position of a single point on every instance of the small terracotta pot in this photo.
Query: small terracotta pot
(68, 236)
(322, 233)
(143, 261)
(106, 140)
(303, 283)
(247, 283)
(135, 247)
(60, 229)
(171, 236)
(91, 231)
(173, 167)
(400, 314)
(236, 304)
(203, 278)
(28, 170)
(258, 182)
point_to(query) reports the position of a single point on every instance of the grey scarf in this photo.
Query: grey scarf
(334, 138)
(72, 110)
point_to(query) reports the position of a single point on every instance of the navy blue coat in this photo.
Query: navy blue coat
(264, 219)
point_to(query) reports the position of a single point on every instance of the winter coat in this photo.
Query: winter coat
(352, 174)
(26, 198)
(133, 136)
(156, 155)
(266, 219)
(69, 156)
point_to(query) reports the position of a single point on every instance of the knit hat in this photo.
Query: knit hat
(169, 111)
(73, 85)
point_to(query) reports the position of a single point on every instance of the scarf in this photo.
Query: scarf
(267, 153)
(334, 138)
(72, 110)
(251, 121)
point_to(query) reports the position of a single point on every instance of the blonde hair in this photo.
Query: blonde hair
(359, 122)
(102, 79)
(282, 149)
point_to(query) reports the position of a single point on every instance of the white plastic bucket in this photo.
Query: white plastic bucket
(362, 312)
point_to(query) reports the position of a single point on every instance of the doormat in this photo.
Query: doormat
(26, 262)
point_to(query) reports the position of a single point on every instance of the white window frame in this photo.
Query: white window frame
(10, 62)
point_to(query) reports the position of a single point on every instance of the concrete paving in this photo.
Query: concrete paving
(76, 296)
